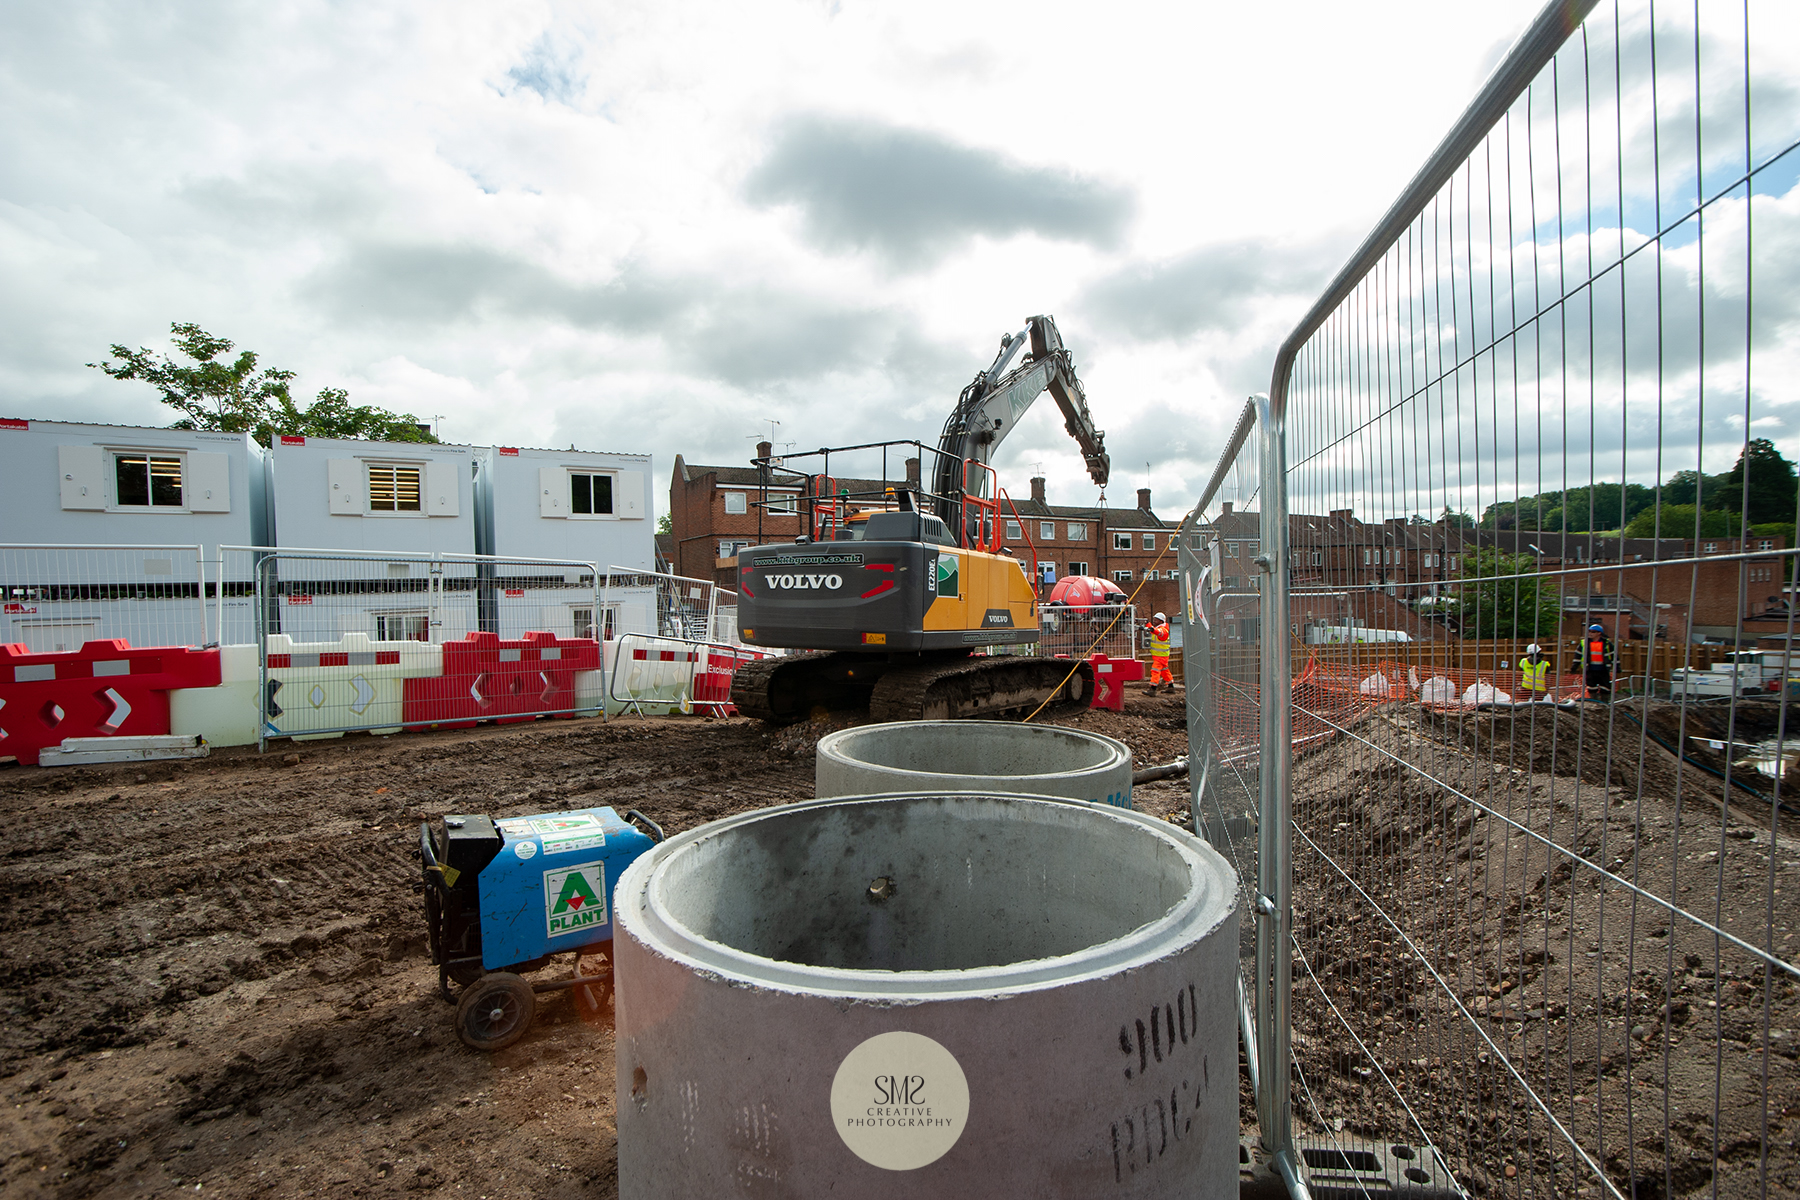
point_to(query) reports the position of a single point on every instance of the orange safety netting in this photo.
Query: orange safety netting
(1327, 696)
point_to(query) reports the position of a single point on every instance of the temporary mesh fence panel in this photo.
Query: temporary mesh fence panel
(1109, 629)
(677, 644)
(349, 641)
(57, 597)
(1541, 911)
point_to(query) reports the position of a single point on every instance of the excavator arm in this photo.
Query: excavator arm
(990, 407)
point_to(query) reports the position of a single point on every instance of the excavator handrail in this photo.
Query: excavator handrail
(988, 533)
(1031, 545)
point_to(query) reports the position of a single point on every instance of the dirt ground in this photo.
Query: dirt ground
(1665, 1051)
(214, 979)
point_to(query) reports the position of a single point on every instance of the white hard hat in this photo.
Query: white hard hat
(1532, 649)
(1160, 617)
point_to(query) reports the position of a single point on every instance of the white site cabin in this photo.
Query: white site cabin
(411, 500)
(576, 506)
(123, 505)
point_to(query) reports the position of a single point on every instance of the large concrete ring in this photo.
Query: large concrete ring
(956, 756)
(803, 990)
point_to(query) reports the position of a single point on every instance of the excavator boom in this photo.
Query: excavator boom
(990, 407)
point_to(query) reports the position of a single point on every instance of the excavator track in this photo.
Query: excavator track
(787, 688)
(981, 687)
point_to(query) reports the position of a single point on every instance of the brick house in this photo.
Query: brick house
(1376, 574)
(716, 511)
(1130, 546)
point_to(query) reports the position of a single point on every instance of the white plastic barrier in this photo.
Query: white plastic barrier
(352, 683)
(223, 715)
(651, 675)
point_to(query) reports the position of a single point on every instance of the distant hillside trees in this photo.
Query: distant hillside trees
(1762, 486)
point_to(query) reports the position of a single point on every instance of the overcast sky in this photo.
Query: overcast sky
(654, 227)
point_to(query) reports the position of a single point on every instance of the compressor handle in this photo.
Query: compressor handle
(427, 851)
(656, 831)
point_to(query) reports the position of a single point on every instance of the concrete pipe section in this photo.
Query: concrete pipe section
(928, 996)
(974, 756)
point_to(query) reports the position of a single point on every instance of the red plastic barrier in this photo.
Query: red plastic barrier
(104, 689)
(713, 686)
(1110, 677)
(487, 679)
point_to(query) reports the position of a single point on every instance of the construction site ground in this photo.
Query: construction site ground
(214, 977)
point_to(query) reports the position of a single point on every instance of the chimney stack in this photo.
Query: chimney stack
(912, 470)
(1037, 489)
(1144, 499)
(765, 449)
(1225, 508)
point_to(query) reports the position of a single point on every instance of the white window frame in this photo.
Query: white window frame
(1709, 547)
(612, 494)
(1766, 544)
(1121, 541)
(1078, 568)
(408, 615)
(1149, 541)
(1078, 531)
(111, 457)
(1047, 531)
(1015, 532)
(784, 504)
(729, 547)
(1122, 575)
(370, 465)
(1231, 549)
(741, 499)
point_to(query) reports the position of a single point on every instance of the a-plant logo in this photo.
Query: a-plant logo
(575, 898)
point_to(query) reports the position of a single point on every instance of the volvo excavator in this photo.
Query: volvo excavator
(894, 606)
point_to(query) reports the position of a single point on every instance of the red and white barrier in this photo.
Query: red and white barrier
(104, 689)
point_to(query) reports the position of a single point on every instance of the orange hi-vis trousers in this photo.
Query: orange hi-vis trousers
(1159, 670)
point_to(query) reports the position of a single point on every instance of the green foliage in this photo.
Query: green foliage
(1766, 478)
(232, 396)
(1678, 522)
(1691, 487)
(1501, 596)
(664, 525)
(1578, 510)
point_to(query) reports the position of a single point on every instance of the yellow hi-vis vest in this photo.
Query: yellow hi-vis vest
(1536, 675)
(1159, 640)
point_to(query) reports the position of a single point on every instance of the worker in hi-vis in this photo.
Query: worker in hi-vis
(1159, 652)
(1534, 673)
(1596, 663)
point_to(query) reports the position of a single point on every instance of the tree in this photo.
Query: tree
(1691, 487)
(1501, 596)
(234, 397)
(1678, 522)
(664, 525)
(1766, 478)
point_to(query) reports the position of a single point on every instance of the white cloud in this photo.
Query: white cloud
(628, 226)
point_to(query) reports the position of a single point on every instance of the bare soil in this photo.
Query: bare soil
(214, 979)
(1665, 1051)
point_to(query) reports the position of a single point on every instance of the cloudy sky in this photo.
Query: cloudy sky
(658, 226)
